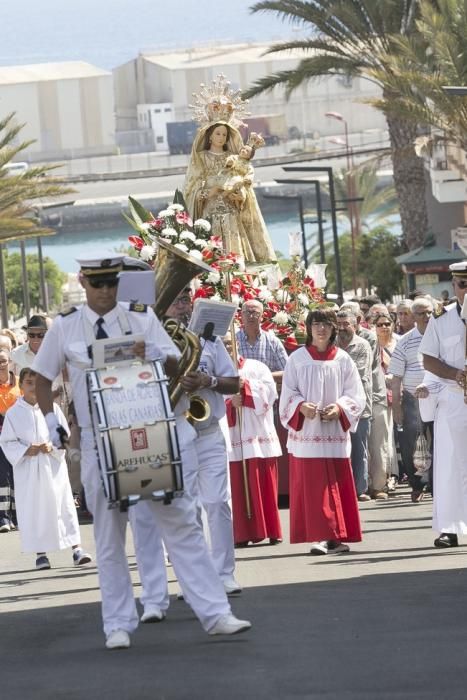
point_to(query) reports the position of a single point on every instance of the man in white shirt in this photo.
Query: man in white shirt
(69, 342)
(23, 355)
(406, 367)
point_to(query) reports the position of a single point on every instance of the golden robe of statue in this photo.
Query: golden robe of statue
(210, 194)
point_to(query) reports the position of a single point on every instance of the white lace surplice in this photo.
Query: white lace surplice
(321, 382)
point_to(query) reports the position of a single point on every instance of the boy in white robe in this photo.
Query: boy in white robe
(44, 501)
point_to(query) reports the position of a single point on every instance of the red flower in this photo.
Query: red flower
(136, 242)
(309, 281)
(290, 343)
(181, 217)
(237, 286)
(157, 223)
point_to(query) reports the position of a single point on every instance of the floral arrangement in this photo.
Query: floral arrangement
(286, 300)
(173, 225)
(290, 301)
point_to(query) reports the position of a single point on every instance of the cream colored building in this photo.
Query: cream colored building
(154, 78)
(67, 108)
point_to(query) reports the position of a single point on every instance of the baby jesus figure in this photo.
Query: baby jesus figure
(240, 171)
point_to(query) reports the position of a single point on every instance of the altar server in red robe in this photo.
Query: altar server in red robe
(254, 439)
(322, 399)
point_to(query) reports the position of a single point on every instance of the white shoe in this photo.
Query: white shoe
(117, 639)
(231, 586)
(153, 614)
(229, 624)
(318, 548)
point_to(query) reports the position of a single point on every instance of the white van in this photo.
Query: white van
(16, 168)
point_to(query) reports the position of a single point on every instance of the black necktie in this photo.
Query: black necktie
(100, 331)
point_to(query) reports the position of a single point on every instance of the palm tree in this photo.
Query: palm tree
(356, 38)
(419, 78)
(19, 193)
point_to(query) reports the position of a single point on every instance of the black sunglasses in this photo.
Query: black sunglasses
(99, 284)
(36, 335)
(383, 325)
(462, 284)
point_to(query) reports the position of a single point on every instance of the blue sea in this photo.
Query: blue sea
(108, 33)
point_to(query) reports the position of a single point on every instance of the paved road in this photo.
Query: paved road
(388, 621)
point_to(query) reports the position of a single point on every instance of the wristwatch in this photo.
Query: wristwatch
(214, 382)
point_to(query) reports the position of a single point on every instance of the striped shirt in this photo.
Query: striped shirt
(407, 361)
(267, 349)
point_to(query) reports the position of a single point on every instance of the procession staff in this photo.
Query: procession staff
(66, 343)
(444, 350)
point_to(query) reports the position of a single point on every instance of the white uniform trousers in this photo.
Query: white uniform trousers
(150, 557)
(450, 463)
(183, 538)
(213, 492)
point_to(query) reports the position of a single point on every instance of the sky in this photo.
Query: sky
(110, 32)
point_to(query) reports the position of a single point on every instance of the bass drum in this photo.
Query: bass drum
(136, 434)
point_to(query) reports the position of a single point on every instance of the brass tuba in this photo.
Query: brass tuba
(174, 270)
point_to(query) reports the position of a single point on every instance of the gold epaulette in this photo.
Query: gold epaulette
(69, 311)
(439, 311)
(141, 308)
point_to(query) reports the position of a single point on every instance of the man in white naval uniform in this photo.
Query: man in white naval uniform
(443, 348)
(67, 344)
(205, 474)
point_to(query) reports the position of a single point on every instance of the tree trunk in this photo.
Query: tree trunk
(409, 181)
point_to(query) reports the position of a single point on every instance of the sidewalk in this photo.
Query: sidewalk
(387, 621)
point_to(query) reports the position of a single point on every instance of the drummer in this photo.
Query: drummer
(69, 343)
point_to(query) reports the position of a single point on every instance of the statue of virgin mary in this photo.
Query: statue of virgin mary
(234, 214)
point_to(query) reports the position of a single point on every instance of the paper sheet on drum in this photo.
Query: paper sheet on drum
(110, 351)
(219, 313)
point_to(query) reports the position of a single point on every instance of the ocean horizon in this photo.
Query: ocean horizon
(108, 33)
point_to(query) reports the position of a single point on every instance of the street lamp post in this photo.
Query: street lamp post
(350, 183)
(332, 197)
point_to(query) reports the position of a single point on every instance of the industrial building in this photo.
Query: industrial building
(67, 108)
(154, 89)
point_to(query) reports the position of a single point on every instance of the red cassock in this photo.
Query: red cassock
(262, 483)
(256, 440)
(323, 502)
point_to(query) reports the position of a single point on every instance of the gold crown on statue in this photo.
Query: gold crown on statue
(255, 140)
(218, 102)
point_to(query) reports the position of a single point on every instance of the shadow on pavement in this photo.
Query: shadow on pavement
(374, 637)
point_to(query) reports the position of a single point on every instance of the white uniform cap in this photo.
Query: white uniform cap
(459, 269)
(102, 265)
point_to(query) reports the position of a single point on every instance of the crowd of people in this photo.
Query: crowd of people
(374, 386)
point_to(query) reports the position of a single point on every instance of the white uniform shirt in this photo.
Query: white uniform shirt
(444, 339)
(215, 361)
(22, 356)
(65, 344)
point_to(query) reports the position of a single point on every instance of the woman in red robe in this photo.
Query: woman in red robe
(322, 399)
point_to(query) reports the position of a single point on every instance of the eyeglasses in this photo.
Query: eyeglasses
(462, 284)
(4, 363)
(39, 336)
(182, 301)
(252, 312)
(383, 325)
(99, 284)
